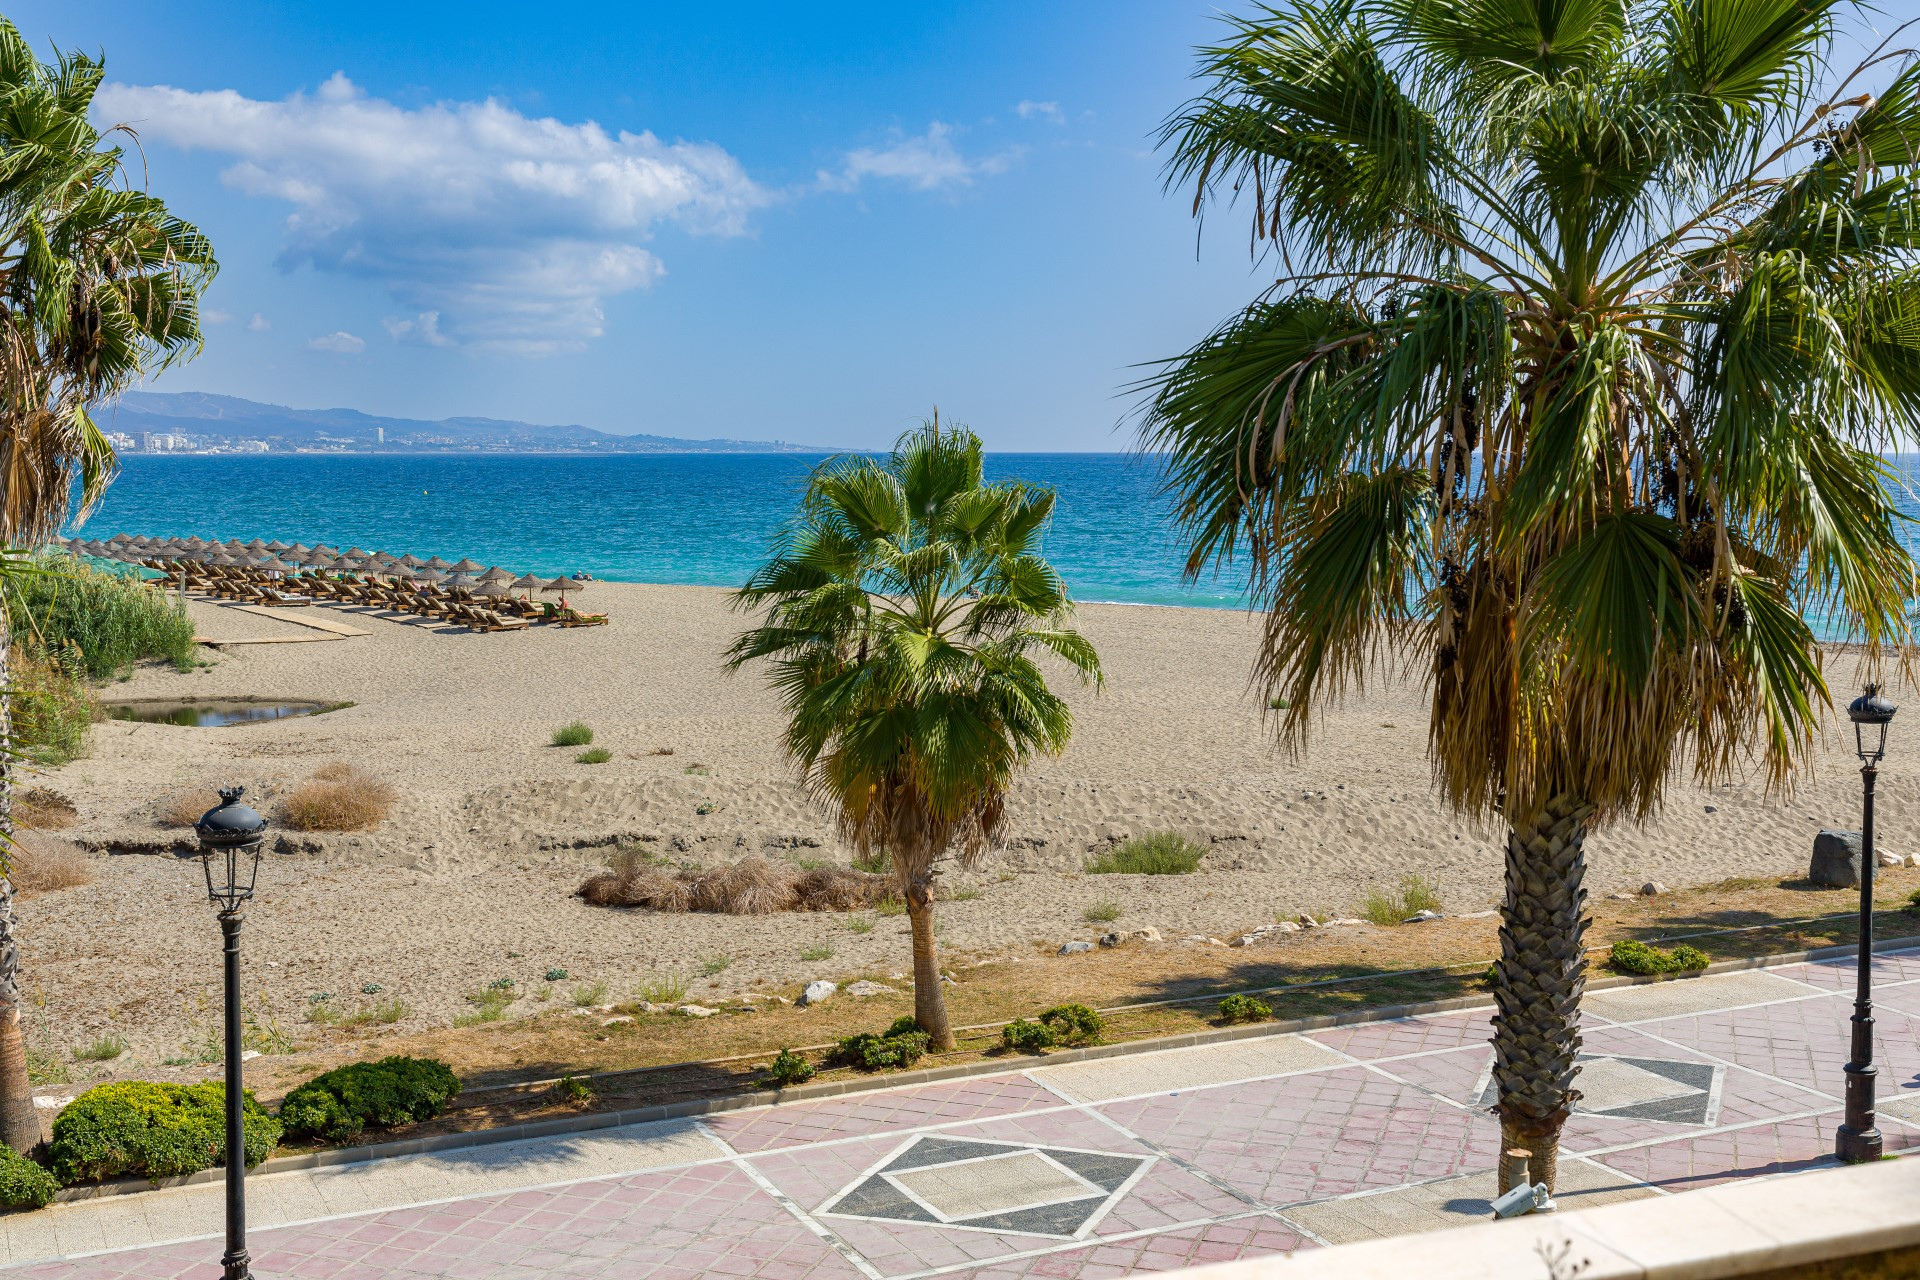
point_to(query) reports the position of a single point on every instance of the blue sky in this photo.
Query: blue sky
(803, 222)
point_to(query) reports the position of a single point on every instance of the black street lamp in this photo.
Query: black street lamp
(230, 840)
(1858, 1140)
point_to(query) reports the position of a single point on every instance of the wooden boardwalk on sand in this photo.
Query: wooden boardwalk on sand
(332, 628)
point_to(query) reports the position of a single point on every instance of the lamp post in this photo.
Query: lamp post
(230, 839)
(1858, 1140)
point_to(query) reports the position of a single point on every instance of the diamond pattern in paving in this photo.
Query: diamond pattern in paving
(1191, 1173)
(798, 1124)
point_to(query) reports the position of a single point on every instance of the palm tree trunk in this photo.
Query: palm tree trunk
(1537, 985)
(19, 1124)
(929, 1001)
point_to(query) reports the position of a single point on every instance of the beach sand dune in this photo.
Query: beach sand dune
(470, 878)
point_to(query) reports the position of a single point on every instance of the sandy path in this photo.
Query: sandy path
(494, 827)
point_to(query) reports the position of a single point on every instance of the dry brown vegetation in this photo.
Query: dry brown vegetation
(750, 887)
(42, 865)
(44, 809)
(184, 808)
(339, 797)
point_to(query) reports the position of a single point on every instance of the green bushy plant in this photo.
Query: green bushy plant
(109, 620)
(1073, 1024)
(1161, 853)
(576, 734)
(338, 1104)
(1415, 894)
(574, 1091)
(1244, 1009)
(593, 755)
(900, 1045)
(154, 1129)
(53, 705)
(24, 1184)
(1629, 956)
(789, 1068)
(1022, 1036)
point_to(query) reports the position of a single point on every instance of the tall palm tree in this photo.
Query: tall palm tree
(1595, 323)
(98, 286)
(903, 612)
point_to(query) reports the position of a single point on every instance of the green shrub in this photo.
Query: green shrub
(1629, 956)
(53, 706)
(24, 1184)
(576, 734)
(1072, 1023)
(157, 1130)
(1913, 903)
(1244, 1009)
(574, 1091)
(109, 620)
(1415, 894)
(789, 1068)
(900, 1045)
(1163, 853)
(1105, 911)
(593, 755)
(1022, 1036)
(337, 1105)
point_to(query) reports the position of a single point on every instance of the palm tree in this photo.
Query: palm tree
(904, 610)
(98, 286)
(1596, 322)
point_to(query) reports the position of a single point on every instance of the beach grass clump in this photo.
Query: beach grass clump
(44, 809)
(381, 1013)
(1629, 956)
(1160, 853)
(1415, 894)
(593, 755)
(816, 952)
(104, 1049)
(576, 734)
(753, 886)
(586, 995)
(105, 621)
(489, 1004)
(43, 866)
(1105, 911)
(338, 797)
(715, 964)
(573, 1091)
(666, 988)
(860, 924)
(53, 706)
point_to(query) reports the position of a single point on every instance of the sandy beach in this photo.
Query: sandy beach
(471, 878)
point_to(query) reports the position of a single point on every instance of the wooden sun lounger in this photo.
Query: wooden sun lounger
(574, 618)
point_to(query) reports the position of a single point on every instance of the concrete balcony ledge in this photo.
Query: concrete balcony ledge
(1746, 1228)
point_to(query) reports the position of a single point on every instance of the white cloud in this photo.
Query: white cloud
(510, 230)
(340, 343)
(925, 162)
(423, 329)
(258, 323)
(213, 315)
(1028, 109)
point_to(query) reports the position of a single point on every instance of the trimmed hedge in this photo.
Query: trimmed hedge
(1629, 956)
(24, 1184)
(1244, 1009)
(153, 1129)
(337, 1105)
(900, 1045)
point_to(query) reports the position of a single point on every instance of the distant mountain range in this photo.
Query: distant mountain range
(196, 422)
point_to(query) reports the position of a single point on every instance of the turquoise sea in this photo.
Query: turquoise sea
(687, 518)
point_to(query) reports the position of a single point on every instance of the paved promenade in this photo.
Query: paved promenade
(1147, 1162)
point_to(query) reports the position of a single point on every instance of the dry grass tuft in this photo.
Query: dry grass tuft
(750, 887)
(339, 797)
(44, 809)
(43, 866)
(184, 808)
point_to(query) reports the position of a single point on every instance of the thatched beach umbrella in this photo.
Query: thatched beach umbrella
(562, 586)
(495, 587)
(497, 574)
(411, 560)
(437, 563)
(258, 544)
(467, 566)
(528, 583)
(276, 546)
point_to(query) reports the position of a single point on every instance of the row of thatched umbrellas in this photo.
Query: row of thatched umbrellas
(285, 557)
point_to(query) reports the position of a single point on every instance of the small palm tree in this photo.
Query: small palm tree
(99, 286)
(903, 612)
(1598, 321)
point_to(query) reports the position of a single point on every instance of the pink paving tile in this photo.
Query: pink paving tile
(1309, 1137)
(1837, 974)
(796, 1124)
(1251, 1237)
(710, 1219)
(1713, 1158)
(1805, 1042)
(1397, 1036)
